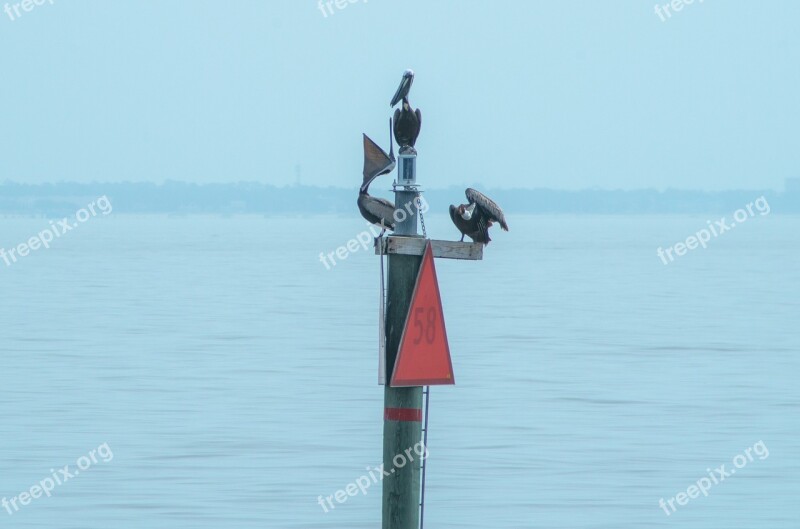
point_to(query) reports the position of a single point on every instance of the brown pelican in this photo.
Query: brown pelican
(376, 163)
(475, 218)
(407, 122)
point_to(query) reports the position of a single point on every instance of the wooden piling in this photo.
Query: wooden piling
(402, 426)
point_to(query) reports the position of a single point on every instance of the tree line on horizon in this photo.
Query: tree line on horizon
(256, 198)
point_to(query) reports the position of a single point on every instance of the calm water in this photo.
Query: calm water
(234, 377)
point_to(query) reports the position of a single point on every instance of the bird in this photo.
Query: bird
(474, 218)
(407, 122)
(376, 210)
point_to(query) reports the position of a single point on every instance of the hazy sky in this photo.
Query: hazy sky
(566, 94)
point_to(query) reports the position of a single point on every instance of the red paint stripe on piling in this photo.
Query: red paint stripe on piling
(402, 414)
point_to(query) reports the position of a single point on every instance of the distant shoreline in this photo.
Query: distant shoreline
(179, 198)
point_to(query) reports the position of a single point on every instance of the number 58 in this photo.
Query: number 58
(425, 328)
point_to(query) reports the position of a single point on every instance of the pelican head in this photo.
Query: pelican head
(466, 211)
(404, 88)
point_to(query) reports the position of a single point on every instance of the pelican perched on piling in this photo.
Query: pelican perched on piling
(474, 218)
(376, 210)
(407, 122)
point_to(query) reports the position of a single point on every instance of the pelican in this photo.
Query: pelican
(407, 122)
(475, 218)
(376, 210)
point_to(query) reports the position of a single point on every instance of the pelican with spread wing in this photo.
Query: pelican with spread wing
(376, 210)
(476, 217)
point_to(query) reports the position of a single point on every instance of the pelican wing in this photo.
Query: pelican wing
(376, 161)
(418, 112)
(396, 120)
(483, 229)
(382, 209)
(488, 206)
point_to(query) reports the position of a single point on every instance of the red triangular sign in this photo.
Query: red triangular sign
(424, 355)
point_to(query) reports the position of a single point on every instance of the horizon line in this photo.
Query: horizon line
(794, 183)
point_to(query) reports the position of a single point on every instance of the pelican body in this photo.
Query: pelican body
(376, 210)
(476, 217)
(407, 121)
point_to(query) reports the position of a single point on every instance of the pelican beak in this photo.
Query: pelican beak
(403, 89)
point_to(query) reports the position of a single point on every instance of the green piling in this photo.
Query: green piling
(402, 426)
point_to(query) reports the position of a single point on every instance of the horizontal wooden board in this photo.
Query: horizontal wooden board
(444, 249)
